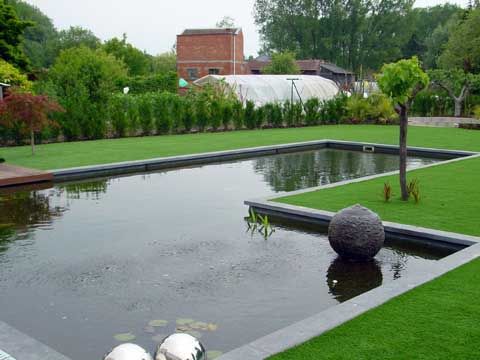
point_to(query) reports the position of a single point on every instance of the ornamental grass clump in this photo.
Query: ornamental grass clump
(413, 188)
(387, 192)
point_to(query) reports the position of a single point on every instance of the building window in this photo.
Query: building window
(192, 73)
(214, 71)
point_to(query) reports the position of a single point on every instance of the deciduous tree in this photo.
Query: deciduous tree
(282, 63)
(457, 83)
(401, 81)
(30, 112)
(11, 31)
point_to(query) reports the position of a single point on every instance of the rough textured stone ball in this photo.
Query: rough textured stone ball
(356, 233)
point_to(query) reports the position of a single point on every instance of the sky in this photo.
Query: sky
(152, 25)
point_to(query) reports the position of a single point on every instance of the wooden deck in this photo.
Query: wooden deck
(11, 175)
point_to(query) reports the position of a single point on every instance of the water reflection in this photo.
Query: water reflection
(313, 168)
(347, 279)
(92, 190)
(22, 211)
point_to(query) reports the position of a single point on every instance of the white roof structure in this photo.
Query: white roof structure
(263, 89)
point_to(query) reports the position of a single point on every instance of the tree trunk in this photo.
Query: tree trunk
(32, 141)
(403, 151)
(458, 106)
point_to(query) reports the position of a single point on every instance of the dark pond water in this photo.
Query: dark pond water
(83, 262)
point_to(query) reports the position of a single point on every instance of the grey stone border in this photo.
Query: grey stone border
(85, 172)
(304, 330)
(22, 347)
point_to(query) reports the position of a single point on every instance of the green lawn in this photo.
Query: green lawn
(450, 198)
(62, 155)
(439, 320)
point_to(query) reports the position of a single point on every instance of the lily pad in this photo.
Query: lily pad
(184, 321)
(212, 327)
(199, 325)
(183, 328)
(124, 337)
(213, 354)
(158, 323)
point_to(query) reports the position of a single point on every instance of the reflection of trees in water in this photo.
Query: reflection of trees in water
(91, 189)
(20, 211)
(296, 171)
(23, 211)
(347, 279)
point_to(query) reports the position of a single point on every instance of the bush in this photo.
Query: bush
(476, 112)
(276, 116)
(293, 113)
(145, 113)
(237, 114)
(176, 108)
(312, 111)
(162, 113)
(118, 106)
(333, 111)
(201, 113)
(430, 102)
(358, 109)
(152, 83)
(227, 114)
(260, 117)
(250, 118)
(83, 80)
(215, 114)
(382, 110)
(188, 115)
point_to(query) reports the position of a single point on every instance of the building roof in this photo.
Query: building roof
(4, 85)
(213, 31)
(335, 69)
(305, 65)
(310, 65)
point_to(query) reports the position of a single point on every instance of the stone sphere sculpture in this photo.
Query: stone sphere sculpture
(181, 347)
(128, 352)
(356, 233)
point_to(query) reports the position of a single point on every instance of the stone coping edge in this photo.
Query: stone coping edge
(85, 172)
(22, 347)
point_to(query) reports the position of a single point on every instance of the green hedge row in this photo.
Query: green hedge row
(170, 113)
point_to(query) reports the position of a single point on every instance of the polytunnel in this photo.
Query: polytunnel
(263, 89)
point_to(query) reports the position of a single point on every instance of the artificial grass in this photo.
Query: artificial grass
(450, 198)
(70, 154)
(439, 320)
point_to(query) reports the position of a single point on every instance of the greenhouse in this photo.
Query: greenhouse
(262, 89)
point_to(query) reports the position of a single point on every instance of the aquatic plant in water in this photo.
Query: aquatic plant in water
(259, 223)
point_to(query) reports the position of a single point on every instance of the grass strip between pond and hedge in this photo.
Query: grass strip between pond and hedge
(81, 153)
(437, 320)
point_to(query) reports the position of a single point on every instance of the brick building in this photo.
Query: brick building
(201, 52)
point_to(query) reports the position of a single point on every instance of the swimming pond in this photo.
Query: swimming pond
(87, 265)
